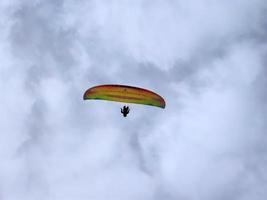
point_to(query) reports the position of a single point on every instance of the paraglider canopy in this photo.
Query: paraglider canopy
(124, 93)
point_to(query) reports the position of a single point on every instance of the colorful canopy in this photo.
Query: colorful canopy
(124, 93)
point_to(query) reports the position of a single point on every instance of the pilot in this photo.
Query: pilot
(125, 111)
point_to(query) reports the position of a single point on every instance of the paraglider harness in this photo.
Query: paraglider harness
(125, 111)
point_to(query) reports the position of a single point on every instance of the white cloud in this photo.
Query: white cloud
(206, 58)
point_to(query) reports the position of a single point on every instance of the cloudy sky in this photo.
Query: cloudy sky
(207, 58)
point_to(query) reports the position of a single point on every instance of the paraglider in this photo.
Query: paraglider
(125, 111)
(124, 93)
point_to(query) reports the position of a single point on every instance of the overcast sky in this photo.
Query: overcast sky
(207, 58)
